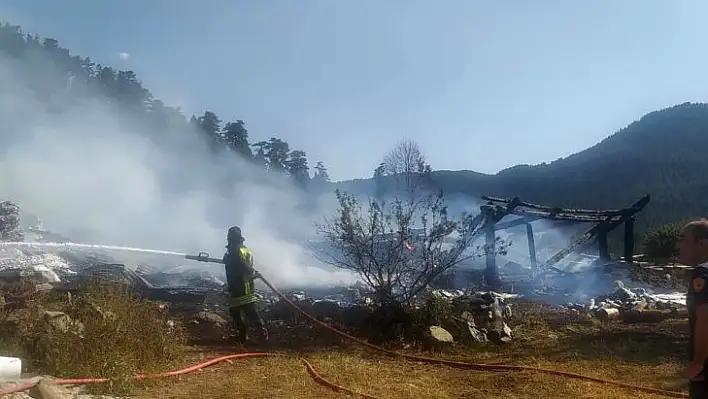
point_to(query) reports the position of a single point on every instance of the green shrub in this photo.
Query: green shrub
(660, 243)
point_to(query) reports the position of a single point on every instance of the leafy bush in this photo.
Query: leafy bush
(660, 243)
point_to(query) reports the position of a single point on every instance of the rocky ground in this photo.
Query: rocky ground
(39, 297)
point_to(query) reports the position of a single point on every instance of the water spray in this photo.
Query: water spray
(88, 246)
(201, 257)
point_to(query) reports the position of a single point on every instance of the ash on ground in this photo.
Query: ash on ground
(582, 285)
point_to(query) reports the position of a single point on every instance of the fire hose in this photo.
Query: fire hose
(320, 380)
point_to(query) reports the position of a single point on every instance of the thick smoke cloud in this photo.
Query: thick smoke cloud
(100, 176)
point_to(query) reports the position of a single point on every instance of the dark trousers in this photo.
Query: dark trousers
(698, 389)
(251, 319)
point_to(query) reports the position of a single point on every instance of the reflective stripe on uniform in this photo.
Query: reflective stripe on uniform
(249, 295)
(243, 300)
(246, 255)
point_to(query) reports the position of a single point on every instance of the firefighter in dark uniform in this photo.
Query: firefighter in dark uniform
(240, 276)
(692, 248)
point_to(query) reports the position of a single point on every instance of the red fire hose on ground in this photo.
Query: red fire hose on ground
(320, 380)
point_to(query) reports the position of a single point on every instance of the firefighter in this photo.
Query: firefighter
(692, 245)
(240, 276)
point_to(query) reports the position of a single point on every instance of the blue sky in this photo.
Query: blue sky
(481, 85)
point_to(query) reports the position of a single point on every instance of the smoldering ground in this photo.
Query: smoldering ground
(102, 176)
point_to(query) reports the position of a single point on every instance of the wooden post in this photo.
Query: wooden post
(629, 240)
(491, 273)
(603, 248)
(532, 245)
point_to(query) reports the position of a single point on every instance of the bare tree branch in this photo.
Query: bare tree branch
(399, 248)
(406, 164)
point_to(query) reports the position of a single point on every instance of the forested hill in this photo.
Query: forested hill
(664, 154)
(62, 80)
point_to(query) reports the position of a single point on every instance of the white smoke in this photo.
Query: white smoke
(97, 175)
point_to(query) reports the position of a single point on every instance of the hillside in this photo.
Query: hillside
(663, 154)
(58, 82)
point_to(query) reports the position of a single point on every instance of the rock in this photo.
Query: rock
(468, 317)
(7, 384)
(211, 319)
(47, 389)
(440, 334)
(470, 333)
(38, 275)
(640, 305)
(60, 321)
(607, 314)
(499, 332)
(44, 287)
(623, 295)
(506, 311)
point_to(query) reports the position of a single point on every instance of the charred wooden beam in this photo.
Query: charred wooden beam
(532, 245)
(491, 273)
(629, 240)
(558, 210)
(581, 241)
(592, 233)
(564, 216)
(602, 247)
(492, 215)
(515, 222)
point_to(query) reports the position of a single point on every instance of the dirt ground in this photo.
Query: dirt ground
(122, 336)
(642, 354)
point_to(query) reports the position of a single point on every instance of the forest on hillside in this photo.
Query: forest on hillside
(662, 154)
(84, 79)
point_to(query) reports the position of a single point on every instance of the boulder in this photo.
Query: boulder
(471, 334)
(210, 319)
(440, 334)
(607, 314)
(499, 332)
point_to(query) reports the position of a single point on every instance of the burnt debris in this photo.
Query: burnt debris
(602, 221)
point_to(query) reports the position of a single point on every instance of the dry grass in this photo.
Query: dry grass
(124, 336)
(108, 333)
(648, 355)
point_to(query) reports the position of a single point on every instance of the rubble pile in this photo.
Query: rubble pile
(474, 318)
(16, 264)
(634, 305)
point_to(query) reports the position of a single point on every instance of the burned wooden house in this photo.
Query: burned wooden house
(602, 222)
